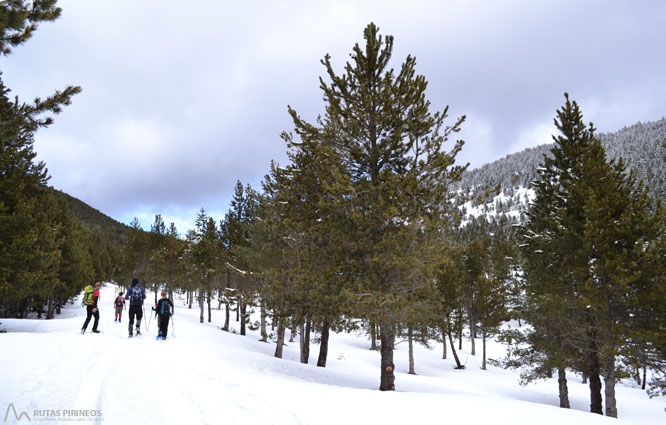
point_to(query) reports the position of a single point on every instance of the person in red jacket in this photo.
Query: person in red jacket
(119, 304)
(92, 310)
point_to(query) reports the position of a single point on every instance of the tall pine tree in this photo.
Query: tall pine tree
(396, 171)
(588, 244)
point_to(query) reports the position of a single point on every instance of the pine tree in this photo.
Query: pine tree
(205, 258)
(28, 244)
(447, 283)
(589, 244)
(395, 174)
(135, 253)
(75, 268)
(236, 234)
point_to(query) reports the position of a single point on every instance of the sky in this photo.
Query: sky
(182, 100)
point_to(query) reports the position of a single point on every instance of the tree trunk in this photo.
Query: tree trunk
(453, 347)
(564, 390)
(637, 376)
(387, 381)
(595, 380)
(443, 342)
(609, 387)
(373, 336)
(644, 377)
(460, 334)
(227, 306)
(243, 308)
(201, 306)
(262, 309)
(292, 330)
(208, 295)
(191, 294)
(411, 350)
(483, 337)
(226, 316)
(323, 347)
(50, 308)
(305, 342)
(280, 338)
(472, 335)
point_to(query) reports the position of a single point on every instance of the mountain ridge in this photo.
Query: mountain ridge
(642, 146)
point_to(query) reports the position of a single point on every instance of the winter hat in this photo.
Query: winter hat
(135, 281)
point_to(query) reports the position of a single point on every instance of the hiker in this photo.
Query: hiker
(90, 297)
(135, 294)
(163, 311)
(119, 303)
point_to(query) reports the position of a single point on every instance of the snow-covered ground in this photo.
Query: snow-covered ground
(202, 375)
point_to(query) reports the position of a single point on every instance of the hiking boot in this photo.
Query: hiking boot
(96, 331)
(83, 331)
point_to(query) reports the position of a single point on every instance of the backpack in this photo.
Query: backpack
(119, 301)
(165, 308)
(89, 292)
(135, 295)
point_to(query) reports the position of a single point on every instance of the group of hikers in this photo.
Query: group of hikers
(135, 294)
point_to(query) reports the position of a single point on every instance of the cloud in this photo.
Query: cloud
(477, 133)
(180, 101)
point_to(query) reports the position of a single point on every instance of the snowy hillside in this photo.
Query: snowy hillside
(202, 375)
(509, 205)
(642, 146)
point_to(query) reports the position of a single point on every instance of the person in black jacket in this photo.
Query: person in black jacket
(163, 311)
(135, 294)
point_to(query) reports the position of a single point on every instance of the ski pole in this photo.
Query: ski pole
(143, 308)
(173, 328)
(148, 326)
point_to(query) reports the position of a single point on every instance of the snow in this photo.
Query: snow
(521, 196)
(236, 269)
(204, 375)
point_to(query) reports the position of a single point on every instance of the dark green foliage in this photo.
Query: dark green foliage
(93, 220)
(45, 255)
(388, 183)
(19, 19)
(590, 247)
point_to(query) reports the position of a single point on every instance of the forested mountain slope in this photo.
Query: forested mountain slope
(642, 146)
(94, 220)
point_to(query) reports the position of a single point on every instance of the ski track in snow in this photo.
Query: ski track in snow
(206, 376)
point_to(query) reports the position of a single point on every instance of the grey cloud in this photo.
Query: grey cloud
(180, 102)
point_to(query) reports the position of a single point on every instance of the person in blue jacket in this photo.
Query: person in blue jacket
(135, 295)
